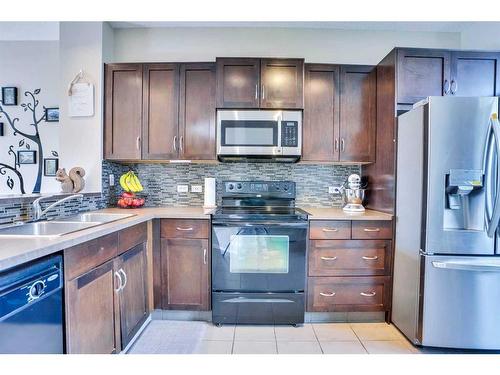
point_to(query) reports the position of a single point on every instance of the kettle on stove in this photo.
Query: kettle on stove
(354, 194)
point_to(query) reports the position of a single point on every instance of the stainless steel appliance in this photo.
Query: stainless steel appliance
(259, 242)
(447, 260)
(260, 135)
(31, 310)
(354, 194)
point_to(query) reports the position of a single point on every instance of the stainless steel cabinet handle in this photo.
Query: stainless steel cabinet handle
(336, 144)
(327, 294)
(138, 143)
(454, 90)
(256, 91)
(204, 256)
(263, 92)
(446, 87)
(175, 143)
(124, 277)
(371, 229)
(184, 229)
(330, 230)
(375, 257)
(181, 143)
(120, 282)
(328, 258)
(369, 294)
(342, 145)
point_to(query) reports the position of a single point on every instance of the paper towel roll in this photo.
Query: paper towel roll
(209, 193)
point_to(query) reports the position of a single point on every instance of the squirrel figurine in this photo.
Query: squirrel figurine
(72, 182)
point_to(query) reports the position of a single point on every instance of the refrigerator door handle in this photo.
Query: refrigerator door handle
(468, 266)
(495, 215)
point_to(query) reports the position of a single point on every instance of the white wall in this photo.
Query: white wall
(81, 47)
(315, 45)
(481, 35)
(29, 66)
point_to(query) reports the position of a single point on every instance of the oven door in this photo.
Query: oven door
(259, 257)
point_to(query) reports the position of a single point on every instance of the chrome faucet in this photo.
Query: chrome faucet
(37, 208)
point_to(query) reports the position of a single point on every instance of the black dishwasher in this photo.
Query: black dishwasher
(31, 315)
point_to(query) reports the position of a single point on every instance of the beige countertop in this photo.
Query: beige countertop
(17, 250)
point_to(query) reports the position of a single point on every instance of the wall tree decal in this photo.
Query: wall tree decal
(33, 136)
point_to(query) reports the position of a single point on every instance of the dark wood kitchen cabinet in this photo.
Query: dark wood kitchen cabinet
(475, 73)
(339, 113)
(106, 291)
(260, 83)
(185, 264)
(123, 111)
(160, 111)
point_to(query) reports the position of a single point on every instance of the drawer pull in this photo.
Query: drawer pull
(327, 294)
(375, 257)
(371, 229)
(328, 258)
(330, 230)
(370, 294)
(185, 229)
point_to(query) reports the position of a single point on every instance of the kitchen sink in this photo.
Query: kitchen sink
(45, 228)
(96, 217)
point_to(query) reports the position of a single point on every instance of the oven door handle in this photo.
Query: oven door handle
(259, 224)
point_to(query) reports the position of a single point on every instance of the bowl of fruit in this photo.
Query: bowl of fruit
(131, 185)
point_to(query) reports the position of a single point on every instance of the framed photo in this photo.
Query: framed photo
(52, 114)
(9, 95)
(26, 157)
(50, 167)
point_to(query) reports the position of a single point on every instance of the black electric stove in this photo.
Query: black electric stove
(259, 242)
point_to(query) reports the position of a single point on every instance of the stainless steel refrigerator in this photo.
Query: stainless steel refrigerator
(447, 253)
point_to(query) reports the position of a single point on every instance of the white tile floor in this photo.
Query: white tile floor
(166, 337)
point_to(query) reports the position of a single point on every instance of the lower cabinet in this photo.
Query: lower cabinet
(185, 264)
(106, 292)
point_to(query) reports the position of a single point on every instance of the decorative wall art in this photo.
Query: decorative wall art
(52, 114)
(29, 148)
(9, 95)
(50, 166)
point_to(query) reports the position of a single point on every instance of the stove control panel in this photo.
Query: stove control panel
(269, 188)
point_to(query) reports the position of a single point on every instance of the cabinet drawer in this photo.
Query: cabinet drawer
(184, 228)
(370, 229)
(348, 293)
(330, 230)
(130, 237)
(82, 258)
(349, 257)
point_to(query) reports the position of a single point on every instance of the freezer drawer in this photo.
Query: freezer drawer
(461, 302)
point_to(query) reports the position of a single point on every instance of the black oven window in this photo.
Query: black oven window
(249, 133)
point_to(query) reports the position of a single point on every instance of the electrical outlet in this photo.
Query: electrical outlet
(182, 188)
(196, 189)
(334, 190)
(111, 180)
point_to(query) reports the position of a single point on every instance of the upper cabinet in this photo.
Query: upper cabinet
(339, 113)
(123, 111)
(160, 111)
(260, 83)
(428, 72)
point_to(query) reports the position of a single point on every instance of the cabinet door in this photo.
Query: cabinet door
(282, 82)
(131, 267)
(358, 100)
(123, 111)
(197, 111)
(475, 74)
(321, 113)
(90, 312)
(422, 73)
(160, 113)
(238, 83)
(185, 276)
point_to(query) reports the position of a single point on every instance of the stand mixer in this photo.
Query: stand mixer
(353, 194)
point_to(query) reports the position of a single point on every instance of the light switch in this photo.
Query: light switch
(182, 188)
(196, 189)
(111, 180)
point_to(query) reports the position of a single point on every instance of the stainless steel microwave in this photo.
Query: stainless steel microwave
(259, 135)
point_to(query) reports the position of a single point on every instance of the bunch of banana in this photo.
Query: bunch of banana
(130, 183)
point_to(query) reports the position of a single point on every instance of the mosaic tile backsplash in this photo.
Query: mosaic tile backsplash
(160, 185)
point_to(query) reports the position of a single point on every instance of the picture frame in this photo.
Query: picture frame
(26, 157)
(52, 114)
(9, 95)
(50, 166)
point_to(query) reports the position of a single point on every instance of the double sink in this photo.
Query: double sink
(60, 227)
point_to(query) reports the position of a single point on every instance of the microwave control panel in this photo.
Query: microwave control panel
(289, 133)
